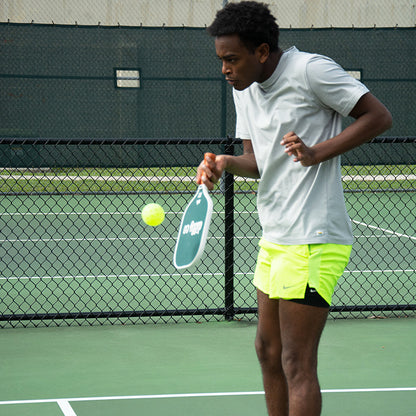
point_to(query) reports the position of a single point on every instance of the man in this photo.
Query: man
(289, 106)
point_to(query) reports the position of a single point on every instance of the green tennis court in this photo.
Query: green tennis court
(89, 253)
(367, 367)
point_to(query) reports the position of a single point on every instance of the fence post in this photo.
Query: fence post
(229, 237)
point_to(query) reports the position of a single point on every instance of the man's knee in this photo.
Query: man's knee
(298, 367)
(269, 353)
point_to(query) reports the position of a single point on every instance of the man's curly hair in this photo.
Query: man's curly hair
(251, 21)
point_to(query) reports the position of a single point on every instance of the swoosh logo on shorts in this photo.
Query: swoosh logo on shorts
(288, 287)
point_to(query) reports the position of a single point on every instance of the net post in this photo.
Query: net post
(229, 237)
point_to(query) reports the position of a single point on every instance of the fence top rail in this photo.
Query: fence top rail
(183, 27)
(157, 141)
(117, 141)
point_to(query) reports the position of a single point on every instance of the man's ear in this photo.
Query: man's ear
(263, 52)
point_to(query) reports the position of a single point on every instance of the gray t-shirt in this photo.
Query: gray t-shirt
(307, 94)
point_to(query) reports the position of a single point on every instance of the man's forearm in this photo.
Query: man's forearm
(244, 165)
(372, 119)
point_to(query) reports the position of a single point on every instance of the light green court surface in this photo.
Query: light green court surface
(367, 367)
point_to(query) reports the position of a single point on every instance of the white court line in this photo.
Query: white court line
(190, 395)
(149, 178)
(100, 178)
(61, 213)
(66, 408)
(385, 230)
(80, 239)
(92, 239)
(188, 275)
(186, 178)
(116, 276)
(381, 271)
(371, 390)
(378, 178)
(80, 213)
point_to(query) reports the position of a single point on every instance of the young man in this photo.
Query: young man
(289, 106)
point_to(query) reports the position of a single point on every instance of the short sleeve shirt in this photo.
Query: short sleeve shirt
(308, 94)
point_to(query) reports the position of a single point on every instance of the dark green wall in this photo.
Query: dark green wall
(58, 81)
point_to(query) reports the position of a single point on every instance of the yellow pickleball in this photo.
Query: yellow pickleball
(153, 214)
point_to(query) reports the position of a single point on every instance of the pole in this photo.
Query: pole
(229, 238)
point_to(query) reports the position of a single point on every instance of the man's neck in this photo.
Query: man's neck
(271, 64)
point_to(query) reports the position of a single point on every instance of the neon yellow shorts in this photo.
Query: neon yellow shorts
(284, 271)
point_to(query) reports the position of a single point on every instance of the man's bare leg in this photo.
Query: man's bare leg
(301, 327)
(287, 342)
(269, 352)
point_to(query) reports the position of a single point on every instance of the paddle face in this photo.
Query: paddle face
(193, 230)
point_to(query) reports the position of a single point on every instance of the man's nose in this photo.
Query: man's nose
(225, 68)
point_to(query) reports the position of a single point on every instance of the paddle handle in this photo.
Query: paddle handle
(206, 155)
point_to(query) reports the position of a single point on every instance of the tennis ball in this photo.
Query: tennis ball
(153, 214)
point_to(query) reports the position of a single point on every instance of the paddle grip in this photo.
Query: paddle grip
(206, 155)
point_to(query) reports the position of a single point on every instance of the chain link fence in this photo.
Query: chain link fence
(74, 248)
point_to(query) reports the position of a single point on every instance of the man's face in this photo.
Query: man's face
(240, 66)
